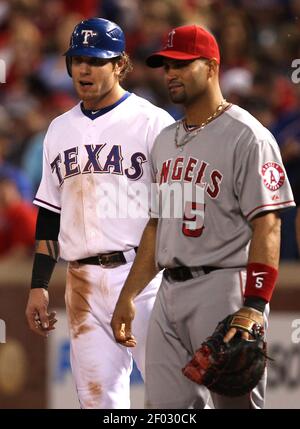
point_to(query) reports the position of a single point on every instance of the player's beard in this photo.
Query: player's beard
(187, 97)
(178, 97)
(181, 97)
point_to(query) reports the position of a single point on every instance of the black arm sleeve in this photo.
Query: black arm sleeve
(47, 228)
(47, 225)
(43, 266)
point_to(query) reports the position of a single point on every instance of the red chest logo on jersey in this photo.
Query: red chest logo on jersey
(191, 170)
(273, 175)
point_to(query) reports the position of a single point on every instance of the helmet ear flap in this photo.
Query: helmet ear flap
(68, 64)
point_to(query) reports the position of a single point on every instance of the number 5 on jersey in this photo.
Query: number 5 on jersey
(193, 219)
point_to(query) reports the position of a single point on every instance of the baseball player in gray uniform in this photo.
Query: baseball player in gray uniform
(95, 166)
(220, 256)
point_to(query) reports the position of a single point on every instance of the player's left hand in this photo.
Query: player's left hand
(247, 318)
(121, 321)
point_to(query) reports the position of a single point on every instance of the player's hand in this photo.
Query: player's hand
(38, 318)
(121, 321)
(248, 312)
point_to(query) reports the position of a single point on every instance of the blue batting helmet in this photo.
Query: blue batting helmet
(95, 37)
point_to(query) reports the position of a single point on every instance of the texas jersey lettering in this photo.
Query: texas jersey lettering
(66, 164)
(96, 177)
(85, 153)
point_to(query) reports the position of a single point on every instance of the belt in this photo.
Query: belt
(108, 260)
(181, 274)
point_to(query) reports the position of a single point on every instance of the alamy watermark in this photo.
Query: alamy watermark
(296, 73)
(2, 71)
(134, 201)
(2, 331)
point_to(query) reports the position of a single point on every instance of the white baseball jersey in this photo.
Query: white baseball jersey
(235, 166)
(92, 161)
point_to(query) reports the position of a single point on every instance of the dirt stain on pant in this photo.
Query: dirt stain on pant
(78, 291)
(93, 398)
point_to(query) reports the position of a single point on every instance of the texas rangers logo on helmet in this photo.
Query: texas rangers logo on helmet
(273, 175)
(87, 35)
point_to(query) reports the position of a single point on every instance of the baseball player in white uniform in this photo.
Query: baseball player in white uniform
(221, 253)
(92, 212)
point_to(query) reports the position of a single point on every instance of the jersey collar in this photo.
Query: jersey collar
(93, 114)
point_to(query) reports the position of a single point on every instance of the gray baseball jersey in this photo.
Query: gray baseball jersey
(211, 187)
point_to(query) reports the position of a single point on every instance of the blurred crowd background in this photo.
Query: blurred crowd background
(259, 40)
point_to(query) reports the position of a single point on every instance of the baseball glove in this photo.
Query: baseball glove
(233, 368)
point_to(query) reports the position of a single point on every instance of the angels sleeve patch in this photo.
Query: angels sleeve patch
(273, 175)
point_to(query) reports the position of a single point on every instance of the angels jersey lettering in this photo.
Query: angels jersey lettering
(235, 166)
